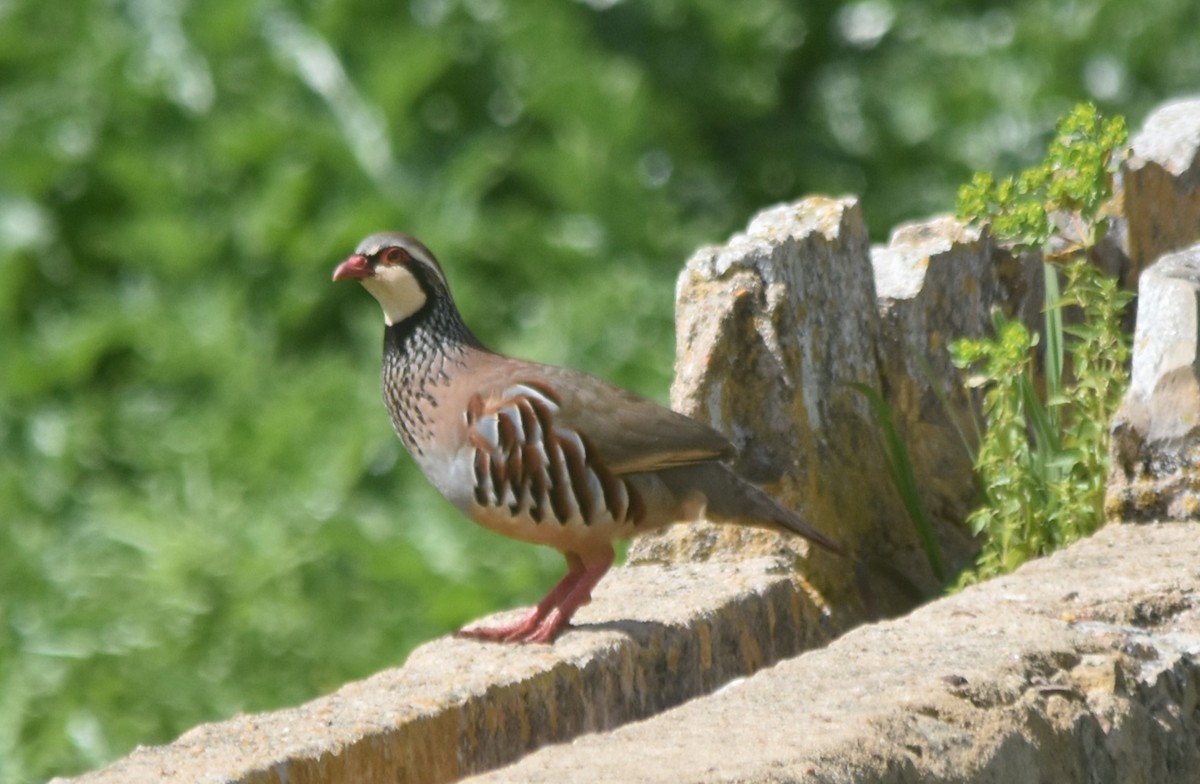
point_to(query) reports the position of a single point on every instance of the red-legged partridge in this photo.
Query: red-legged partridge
(540, 453)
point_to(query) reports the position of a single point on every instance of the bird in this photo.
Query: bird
(540, 453)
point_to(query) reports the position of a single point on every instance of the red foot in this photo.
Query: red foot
(552, 614)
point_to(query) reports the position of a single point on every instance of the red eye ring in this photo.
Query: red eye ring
(395, 255)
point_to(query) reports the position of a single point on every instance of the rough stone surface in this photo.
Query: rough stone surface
(1081, 667)
(1161, 183)
(654, 637)
(1155, 466)
(938, 281)
(771, 329)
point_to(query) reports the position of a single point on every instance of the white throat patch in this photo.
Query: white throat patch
(397, 291)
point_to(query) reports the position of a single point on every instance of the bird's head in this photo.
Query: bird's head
(399, 271)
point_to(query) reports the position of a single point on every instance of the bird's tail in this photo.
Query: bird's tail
(733, 499)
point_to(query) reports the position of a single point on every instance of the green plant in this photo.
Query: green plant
(1043, 459)
(1061, 205)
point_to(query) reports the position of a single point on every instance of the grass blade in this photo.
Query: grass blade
(904, 479)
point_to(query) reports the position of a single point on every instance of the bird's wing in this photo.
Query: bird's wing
(627, 433)
(524, 458)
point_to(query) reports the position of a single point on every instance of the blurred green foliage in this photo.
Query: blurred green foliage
(202, 509)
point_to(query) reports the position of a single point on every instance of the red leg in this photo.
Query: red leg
(575, 570)
(581, 593)
(553, 613)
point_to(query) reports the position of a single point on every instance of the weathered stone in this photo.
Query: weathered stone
(654, 637)
(1080, 667)
(1161, 183)
(772, 328)
(1155, 467)
(938, 281)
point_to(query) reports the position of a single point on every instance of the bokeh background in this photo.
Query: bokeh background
(202, 507)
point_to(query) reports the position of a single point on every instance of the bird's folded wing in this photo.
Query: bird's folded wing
(644, 436)
(630, 434)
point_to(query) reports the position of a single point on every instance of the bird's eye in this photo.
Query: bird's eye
(395, 256)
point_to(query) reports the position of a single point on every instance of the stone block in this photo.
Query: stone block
(654, 637)
(938, 281)
(1078, 668)
(1161, 185)
(771, 329)
(1155, 465)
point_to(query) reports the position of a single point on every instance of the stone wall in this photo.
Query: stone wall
(1079, 667)
(1083, 667)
